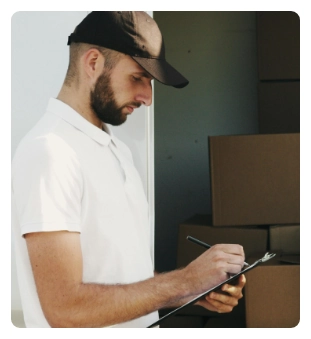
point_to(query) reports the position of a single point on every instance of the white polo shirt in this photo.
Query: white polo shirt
(67, 174)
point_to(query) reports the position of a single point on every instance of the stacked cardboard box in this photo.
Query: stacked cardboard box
(285, 238)
(278, 46)
(272, 293)
(255, 202)
(255, 179)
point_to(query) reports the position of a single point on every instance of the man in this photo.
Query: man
(80, 216)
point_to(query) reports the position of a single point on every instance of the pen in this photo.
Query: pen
(201, 243)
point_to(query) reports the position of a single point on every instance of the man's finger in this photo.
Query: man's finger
(235, 290)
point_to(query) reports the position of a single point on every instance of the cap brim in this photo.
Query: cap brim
(162, 71)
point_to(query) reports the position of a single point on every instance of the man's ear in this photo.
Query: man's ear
(93, 64)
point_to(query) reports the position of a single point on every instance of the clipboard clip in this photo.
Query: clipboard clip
(267, 256)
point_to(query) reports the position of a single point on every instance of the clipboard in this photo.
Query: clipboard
(234, 277)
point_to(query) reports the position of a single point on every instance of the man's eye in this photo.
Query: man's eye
(136, 78)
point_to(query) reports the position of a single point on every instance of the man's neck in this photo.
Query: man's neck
(80, 104)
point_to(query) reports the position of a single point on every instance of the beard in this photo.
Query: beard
(103, 102)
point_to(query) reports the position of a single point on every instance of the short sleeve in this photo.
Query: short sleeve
(47, 185)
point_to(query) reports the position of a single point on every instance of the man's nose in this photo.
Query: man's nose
(144, 96)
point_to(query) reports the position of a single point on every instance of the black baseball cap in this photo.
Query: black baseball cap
(133, 33)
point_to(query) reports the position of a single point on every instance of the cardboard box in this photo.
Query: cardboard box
(279, 107)
(255, 179)
(284, 238)
(253, 239)
(278, 42)
(272, 295)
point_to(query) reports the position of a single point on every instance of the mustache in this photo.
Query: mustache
(133, 104)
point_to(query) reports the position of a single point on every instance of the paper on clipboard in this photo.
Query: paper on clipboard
(265, 258)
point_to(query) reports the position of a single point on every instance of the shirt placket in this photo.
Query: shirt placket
(129, 184)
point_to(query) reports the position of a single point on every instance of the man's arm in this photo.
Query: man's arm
(56, 260)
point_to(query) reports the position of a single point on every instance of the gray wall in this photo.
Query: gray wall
(217, 52)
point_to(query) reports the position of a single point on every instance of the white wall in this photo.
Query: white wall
(39, 62)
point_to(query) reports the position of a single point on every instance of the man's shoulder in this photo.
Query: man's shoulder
(45, 139)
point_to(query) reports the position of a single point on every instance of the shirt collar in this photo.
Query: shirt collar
(71, 116)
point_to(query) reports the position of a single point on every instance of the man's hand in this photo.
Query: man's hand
(213, 266)
(224, 302)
